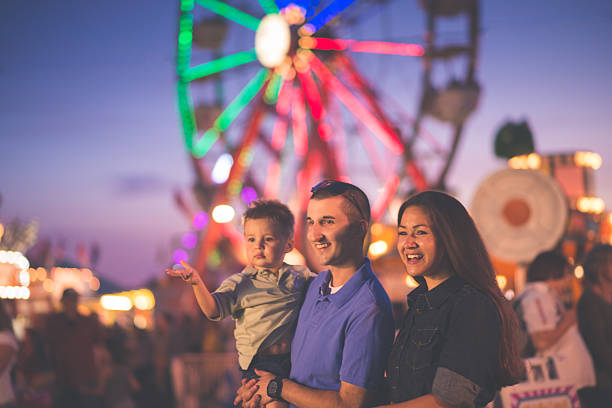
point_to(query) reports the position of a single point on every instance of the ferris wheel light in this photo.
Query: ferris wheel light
(223, 213)
(272, 40)
(222, 168)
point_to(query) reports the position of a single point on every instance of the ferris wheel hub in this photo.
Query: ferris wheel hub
(272, 40)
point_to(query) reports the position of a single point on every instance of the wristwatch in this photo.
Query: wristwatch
(275, 388)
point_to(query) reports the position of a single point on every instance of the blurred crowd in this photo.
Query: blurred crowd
(67, 359)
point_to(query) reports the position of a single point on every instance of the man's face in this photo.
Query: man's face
(333, 236)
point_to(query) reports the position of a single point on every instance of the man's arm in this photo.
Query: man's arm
(544, 339)
(301, 396)
(205, 300)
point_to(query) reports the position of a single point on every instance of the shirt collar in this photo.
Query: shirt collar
(252, 272)
(421, 299)
(349, 288)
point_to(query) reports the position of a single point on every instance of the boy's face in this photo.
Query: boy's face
(266, 244)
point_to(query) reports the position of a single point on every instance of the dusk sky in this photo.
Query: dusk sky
(92, 144)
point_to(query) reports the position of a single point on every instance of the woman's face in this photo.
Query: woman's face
(416, 243)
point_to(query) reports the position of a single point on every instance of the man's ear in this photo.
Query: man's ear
(363, 227)
(290, 245)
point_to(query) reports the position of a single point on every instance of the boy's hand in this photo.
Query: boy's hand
(246, 396)
(262, 382)
(188, 274)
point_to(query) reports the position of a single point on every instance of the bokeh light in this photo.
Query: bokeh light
(579, 272)
(223, 213)
(115, 302)
(180, 255)
(200, 220)
(222, 168)
(190, 240)
(248, 194)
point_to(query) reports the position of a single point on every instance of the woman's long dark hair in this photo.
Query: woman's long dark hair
(457, 239)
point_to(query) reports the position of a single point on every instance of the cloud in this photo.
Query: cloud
(140, 184)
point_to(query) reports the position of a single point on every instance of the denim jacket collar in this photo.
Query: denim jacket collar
(421, 299)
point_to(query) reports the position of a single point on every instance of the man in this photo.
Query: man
(71, 340)
(345, 327)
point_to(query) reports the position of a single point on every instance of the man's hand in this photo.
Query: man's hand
(263, 381)
(246, 394)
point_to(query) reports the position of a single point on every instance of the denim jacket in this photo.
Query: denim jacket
(447, 346)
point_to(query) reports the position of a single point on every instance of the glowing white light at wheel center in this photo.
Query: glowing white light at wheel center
(272, 40)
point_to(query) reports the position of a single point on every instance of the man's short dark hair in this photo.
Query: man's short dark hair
(547, 265)
(274, 210)
(357, 203)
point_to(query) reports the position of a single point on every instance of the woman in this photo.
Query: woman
(457, 343)
(8, 358)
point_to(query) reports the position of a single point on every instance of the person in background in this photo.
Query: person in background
(457, 343)
(72, 339)
(552, 329)
(8, 358)
(595, 321)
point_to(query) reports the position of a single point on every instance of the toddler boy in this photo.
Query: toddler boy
(265, 297)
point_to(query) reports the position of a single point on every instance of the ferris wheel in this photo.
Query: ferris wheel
(298, 86)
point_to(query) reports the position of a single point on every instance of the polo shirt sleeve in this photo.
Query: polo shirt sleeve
(227, 297)
(366, 348)
(538, 310)
(469, 357)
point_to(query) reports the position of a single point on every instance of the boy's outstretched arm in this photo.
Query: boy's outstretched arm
(205, 300)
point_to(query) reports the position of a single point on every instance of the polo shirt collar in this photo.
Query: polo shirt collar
(349, 289)
(252, 271)
(421, 299)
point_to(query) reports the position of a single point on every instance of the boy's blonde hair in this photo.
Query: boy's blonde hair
(274, 210)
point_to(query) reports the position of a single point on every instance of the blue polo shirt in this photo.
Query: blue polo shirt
(346, 336)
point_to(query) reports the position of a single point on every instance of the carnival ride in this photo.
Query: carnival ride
(302, 69)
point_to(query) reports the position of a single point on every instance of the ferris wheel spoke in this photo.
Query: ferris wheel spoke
(220, 64)
(384, 134)
(298, 121)
(382, 202)
(269, 6)
(372, 47)
(230, 113)
(231, 13)
(312, 95)
(325, 16)
(273, 89)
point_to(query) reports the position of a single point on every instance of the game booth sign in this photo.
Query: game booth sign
(544, 387)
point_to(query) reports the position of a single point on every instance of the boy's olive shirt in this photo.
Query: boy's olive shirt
(265, 306)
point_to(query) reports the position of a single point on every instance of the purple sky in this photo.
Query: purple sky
(92, 145)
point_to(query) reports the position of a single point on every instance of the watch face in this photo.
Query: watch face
(273, 387)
